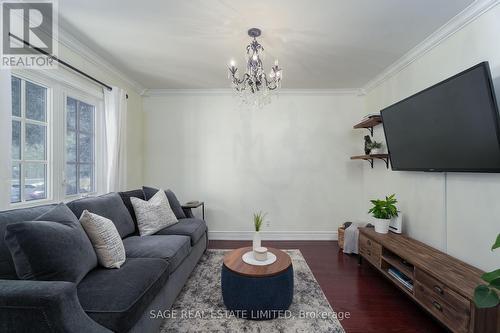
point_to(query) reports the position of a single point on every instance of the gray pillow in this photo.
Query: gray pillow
(172, 200)
(110, 206)
(52, 248)
(105, 238)
(154, 214)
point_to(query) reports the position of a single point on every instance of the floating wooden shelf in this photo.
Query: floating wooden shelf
(369, 123)
(370, 158)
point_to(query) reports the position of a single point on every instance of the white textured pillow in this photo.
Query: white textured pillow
(153, 215)
(106, 240)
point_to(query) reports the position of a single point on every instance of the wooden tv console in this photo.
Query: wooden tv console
(442, 285)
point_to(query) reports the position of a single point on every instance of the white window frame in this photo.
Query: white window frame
(98, 137)
(61, 84)
(48, 141)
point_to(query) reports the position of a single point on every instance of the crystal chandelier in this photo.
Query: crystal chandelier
(255, 80)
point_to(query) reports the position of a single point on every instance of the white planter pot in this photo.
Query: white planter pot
(256, 240)
(382, 225)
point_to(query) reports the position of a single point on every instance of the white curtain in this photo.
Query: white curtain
(5, 138)
(115, 113)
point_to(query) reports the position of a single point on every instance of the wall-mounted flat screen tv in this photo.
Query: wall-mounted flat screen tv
(452, 126)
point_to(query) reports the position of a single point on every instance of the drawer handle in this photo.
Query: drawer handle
(437, 305)
(438, 289)
(369, 242)
(369, 252)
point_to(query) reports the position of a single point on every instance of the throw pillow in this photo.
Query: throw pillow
(54, 247)
(172, 200)
(105, 238)
(153, 215)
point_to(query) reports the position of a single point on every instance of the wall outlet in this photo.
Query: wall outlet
(268, 223)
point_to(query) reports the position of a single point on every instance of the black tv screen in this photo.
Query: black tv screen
(451, 126)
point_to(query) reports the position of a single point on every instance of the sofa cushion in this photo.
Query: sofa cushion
(7, 269)
(111, 207)
(126, 200)
(149, 192)
(52, 248)
(117, 298)
(173, 248)
(192, 227)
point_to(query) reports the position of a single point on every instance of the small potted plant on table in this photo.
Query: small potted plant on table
(383, 211)
(258, 220)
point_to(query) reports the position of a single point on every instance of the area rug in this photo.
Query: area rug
(200, 308)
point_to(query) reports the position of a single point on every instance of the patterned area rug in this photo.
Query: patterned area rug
(200, 308)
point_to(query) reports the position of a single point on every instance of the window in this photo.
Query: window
(29, 141)
(57, 125)
(80, 129)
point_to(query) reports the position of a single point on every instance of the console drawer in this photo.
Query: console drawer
(458, 320)
(441, 292)
(370, 250)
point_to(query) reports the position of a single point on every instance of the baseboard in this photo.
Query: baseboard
(273, 235)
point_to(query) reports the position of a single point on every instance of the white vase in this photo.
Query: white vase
(256, 240)
(382, 225)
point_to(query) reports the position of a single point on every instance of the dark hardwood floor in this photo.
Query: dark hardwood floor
(374, 304)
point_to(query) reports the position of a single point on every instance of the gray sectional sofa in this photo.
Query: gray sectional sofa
(117, 300)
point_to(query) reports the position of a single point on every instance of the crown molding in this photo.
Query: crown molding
(461, 20)
(228, 91)
(69, 41)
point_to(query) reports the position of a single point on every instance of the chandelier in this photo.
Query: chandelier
(255, 80)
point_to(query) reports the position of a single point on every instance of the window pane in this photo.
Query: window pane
(71, 146)
(15, 185)
(85, 149)
(16, 140)
(86, 117)
(86, 178)
(35, 102)
(71, 113)
(71, 179)
(35, 142)
(16, 96)
(34, 181)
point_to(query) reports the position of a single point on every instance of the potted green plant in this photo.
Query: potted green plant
(383, 211)
(258, 221)
(485, 295)
(375, 147)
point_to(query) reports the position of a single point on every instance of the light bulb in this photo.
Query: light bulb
(276, 62)
(232, 63)
(254, 57)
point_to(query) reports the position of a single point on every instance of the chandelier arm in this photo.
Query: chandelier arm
(270, 84)
(243, 79)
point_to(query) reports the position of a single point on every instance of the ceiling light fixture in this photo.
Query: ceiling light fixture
(255, 79)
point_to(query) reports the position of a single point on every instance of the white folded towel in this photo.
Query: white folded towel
(351, 235)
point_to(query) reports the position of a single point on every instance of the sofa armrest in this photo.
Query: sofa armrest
(43, 306)
(188, 211)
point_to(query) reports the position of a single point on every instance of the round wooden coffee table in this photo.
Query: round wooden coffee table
(257, 292)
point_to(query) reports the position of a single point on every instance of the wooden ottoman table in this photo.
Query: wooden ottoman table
(257, 292)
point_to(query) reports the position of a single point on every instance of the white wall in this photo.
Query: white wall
(459, 213)
(289, 159)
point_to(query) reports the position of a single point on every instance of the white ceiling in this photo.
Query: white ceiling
(321, 44)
